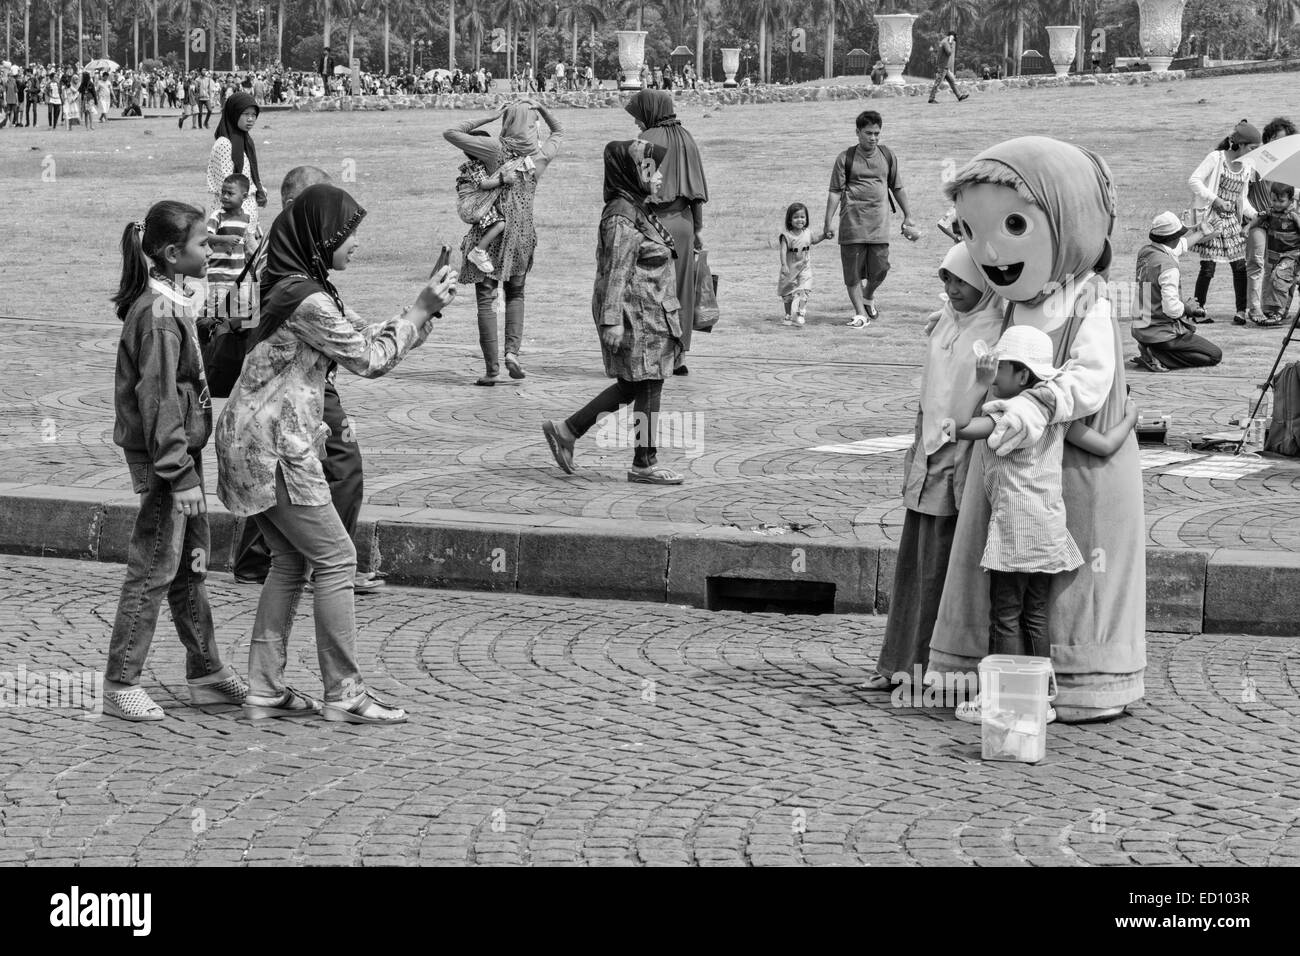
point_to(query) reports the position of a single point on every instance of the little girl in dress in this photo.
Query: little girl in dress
(795, 281)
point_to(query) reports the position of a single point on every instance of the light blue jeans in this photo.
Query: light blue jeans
(300, 536)
(1256, 241)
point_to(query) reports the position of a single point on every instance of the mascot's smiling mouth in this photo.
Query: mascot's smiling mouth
(1004, 275)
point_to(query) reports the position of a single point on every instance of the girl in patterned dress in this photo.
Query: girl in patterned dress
(1028, 541)
(795, 282)
(1221, 185)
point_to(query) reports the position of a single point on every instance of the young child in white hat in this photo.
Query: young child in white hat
(1028, 542)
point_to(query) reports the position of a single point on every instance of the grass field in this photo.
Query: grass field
(60, 253)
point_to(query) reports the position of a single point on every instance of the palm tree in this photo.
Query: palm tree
(841, 9)
(1279, 14)
(349, 11)
(625, 7)
(595, 16)
(473, 22)
(957, 14)
(1018, 15)
(326, 8)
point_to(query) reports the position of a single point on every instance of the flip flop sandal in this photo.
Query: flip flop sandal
(291, 704)
(133, 703)
(513, 367)
(857, 322)
(486, 380)
(878, 682)
(1150, 364)
(657, 475)
(562, 451)
(231, 690)
(367, 709)
(872, 313)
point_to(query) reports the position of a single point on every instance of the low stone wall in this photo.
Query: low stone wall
(612, 99)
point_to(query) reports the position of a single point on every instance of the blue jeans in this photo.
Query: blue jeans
(1018, 613)
(485, 293)
(302, 535)
(168, 556)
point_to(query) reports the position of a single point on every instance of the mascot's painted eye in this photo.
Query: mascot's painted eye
(1016, 225)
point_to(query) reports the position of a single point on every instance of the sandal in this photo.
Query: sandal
(1272, 320)
(560, 449)
(365, 709)
(513, 367)
(655, 475)
(872, 313)
(857, 322)
(1149, 363)
(486, 380)
(133, 703)
(226, 690)
(878, 682)
(290, 704)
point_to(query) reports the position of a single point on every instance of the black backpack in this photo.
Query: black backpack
(890, 162)
(1284, 430)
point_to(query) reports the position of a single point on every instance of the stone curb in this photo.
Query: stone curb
(1188, 591)
(739, 96)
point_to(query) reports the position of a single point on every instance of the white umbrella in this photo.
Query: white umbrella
(1278, 161)
(437, 73)
(96, 66)
(340, 70)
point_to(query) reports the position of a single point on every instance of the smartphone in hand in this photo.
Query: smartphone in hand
(444, 258)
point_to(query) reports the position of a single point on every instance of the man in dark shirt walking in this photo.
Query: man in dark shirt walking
(943, 71)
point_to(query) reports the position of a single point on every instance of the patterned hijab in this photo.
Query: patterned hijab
(303, 241)
(623, 181)
(683, 171)
(519, 130)
(240, 142)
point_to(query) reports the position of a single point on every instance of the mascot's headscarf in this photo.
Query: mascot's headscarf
(1074, 186)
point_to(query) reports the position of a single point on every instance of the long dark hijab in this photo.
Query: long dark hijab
(302, 243)
(240, 142)
(623, 181)
(683, 170)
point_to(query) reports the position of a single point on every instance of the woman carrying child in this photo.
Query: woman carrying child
(163, 420)
(512, 253)
(934, 471)
(794, 284)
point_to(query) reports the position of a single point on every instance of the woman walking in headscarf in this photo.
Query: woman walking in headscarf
(635, 310)
(271, 436)
(86, 101)
(680, 203)
(234, 152)
(512, 253)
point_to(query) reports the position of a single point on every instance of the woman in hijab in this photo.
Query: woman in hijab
(234, 152)
(1036, 215)
(635, 309)
(512, 253)
(934, 471)
(271, 436)
(680, 203)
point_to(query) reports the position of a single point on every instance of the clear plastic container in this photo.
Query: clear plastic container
(1014, 695)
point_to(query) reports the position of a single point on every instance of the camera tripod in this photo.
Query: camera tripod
(1272, 375)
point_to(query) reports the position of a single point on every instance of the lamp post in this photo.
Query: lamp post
(261, 12)
(249, 43)
(420, 45)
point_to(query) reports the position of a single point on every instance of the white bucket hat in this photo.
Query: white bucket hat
(1030, 347)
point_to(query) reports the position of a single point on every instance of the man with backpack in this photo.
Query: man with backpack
(865, 185)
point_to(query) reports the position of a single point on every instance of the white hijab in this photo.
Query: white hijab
(948, 386)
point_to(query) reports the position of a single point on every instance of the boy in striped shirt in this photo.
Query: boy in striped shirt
(231, 238)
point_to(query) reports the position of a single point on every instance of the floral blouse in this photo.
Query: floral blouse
(274, 416)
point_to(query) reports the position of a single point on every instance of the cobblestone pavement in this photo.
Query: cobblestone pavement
(553, 731)
(746, 441)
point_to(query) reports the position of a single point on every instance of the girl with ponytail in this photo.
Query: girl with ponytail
(163, 418)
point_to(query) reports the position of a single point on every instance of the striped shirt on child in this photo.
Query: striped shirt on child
(226, 262)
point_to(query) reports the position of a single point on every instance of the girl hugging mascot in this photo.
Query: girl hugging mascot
(1036, 215)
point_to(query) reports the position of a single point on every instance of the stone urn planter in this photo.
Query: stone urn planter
(631, 57)
(1061, 47)
(895, 43)
(1160, 31)
(730, 65)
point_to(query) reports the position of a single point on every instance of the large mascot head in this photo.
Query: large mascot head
(1036, 214)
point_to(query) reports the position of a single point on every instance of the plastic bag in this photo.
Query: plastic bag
(706, 295)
